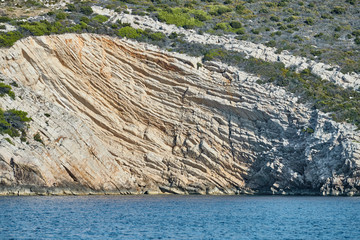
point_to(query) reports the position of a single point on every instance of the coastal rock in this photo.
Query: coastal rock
(117, 116)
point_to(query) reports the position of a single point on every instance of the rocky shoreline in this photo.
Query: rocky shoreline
(26, 190)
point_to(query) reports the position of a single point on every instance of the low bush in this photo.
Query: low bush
(213, 53)
(4, 19)
(37, 138)
(338, 10)
(6, 89)
(356, 33)
(235, 24)
(87, 10)
(129, 32)
(217, 10)
(309, 21)
(274, 18)
(71, 7)
(100, 18)
(8, 39)
(179, 18)
(38, 28)
(61, 16)
(158, 36)
(13, 122)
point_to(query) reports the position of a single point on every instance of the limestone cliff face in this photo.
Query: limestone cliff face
(126, 118)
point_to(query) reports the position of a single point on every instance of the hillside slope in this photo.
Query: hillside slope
(117, 116)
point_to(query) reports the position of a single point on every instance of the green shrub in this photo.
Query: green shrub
(129, 32)
(235, 24)
(61, 16)
(71, 7)
(85, 19)
(13, 121)
(336, 35)
(158, 36)
(326, 16)
(222, 26)
(309, 21)
(308, 130)
(151, 8)
(337, 29)
(173, 35)
(271, 43)
(200, 15)
(179, 18)
(8, 39)
(240, 9)
(100, 18)
(87, 10)
(240, 31)
(218, 10)
(338, 10)
(282, 27)
(274, 18)
(352, 2)
(37, 28)
(18, 116)
(255, 31)
(6, 89)
(37, 138)
(4, 19)
(282, 3)
(9, 141)
(290, 19)
(213, 53)
(356, 33)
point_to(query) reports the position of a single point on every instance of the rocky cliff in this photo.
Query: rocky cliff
(122, 117)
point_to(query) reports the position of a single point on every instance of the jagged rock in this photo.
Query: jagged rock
(123, 117)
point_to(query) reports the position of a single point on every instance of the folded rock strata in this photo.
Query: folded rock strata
(118, 117)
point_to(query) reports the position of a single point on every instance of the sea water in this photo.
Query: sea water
(179, 217)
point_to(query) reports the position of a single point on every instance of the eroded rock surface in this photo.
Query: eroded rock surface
(121, 117)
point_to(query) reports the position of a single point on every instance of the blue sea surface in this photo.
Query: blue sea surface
(179, 217)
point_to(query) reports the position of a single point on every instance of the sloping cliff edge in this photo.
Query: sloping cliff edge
(120, 117)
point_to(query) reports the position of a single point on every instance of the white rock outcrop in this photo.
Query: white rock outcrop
(118, 117)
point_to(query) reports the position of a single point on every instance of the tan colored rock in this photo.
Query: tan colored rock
(127, 119)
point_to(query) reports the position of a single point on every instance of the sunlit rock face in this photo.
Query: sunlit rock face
(122, 117)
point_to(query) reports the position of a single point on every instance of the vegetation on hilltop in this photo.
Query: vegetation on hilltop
(326, 31)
